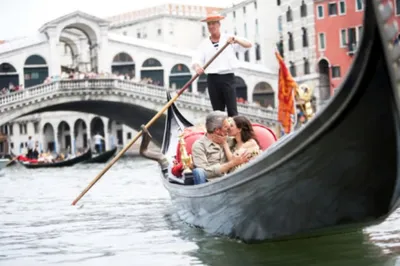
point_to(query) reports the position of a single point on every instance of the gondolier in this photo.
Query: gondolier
(220, 73)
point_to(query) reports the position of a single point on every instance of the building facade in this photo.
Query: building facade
(296, 26)
(173, 24)
(63, 132)
(339, 27)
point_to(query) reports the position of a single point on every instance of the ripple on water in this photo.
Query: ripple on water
(126, 219)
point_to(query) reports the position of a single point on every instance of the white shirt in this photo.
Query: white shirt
(225, 63)
(97, 139)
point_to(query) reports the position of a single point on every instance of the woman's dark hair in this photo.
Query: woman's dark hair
(247, 131)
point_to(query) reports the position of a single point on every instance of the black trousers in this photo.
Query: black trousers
(222, 92)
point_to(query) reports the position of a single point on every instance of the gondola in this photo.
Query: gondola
(102, 157)
(68, 162)
(338, 172)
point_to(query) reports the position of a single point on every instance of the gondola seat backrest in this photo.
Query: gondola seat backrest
(190, 138)
(265, 136)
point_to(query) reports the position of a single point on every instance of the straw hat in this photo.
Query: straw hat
(213, 16)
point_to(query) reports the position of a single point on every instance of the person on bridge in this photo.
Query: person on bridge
(220, 73)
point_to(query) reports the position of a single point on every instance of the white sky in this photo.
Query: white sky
(25, 17)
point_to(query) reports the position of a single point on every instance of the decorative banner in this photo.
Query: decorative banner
(286, 89)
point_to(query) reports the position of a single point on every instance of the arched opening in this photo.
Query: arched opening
(202, 83)
(123, 64)
(97, 127)
(9, 77)
(180, 75)
(86, 39)
(241, 88)
(81, 136)
(49, 144)
(69, 53)
(35, 71)
(324, 80)
(116, 133)
(264, 95)
(152, 72)
(64, 137)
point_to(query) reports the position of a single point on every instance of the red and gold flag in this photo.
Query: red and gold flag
(286, 90)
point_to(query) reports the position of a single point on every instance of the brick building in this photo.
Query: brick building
(338, 27)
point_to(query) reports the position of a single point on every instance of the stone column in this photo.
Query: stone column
(106, 134)
(194, 86)
(102, 51)
(55, 65)
(73, 141)
(89, 134)
(56, 144)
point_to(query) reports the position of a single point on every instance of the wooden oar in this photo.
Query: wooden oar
(116, 158)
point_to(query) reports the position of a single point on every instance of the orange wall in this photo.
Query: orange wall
(331, 26)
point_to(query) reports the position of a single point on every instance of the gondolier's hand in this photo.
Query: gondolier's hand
(199, 70)
(232, 40)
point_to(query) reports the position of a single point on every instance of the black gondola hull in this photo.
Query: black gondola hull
(102, 157)
(78, 159)
(341, 170)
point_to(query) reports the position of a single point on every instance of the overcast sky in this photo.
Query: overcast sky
(24, 17)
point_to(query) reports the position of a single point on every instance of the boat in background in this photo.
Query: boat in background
(338, 172)
(102, 157)
(35, 164)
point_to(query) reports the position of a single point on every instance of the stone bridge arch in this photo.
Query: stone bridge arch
(93, 28)
(106, 104)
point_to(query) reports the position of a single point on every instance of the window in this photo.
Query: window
(332, 9)
(289, 16)
(305, 37)
(398, 7)
(11, 129)
(124, 33)
(159, 32)
(352, 39)
(290, 42)
(258, 52)
(359, 5)
(303, 9)
(320, 11)
(280, 48)
(321, 41)
(138, 35)
(280, 23)
(237, 55)
(278, 2)
(234, 14)
(36, 127)
(335, 71)
(342, 7)
(343, 38)
(245, 30)
(246, 56)
(292, 69)
(255, 4)
(244, 10)
(306, 66)
(360, 33)
(21, 129)
(129, 135)
(257, 30)
(203, 31)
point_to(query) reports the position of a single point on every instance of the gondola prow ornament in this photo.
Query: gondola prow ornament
(186, 159)
(303, 98)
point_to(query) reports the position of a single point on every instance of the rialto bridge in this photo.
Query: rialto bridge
(79, 41)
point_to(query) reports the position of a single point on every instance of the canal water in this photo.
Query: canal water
(127, 219)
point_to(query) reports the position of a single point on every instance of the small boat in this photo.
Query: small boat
(34, 164)
(338, 172)
(102, 157)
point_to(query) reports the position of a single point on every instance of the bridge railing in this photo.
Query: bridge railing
(201, 101)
